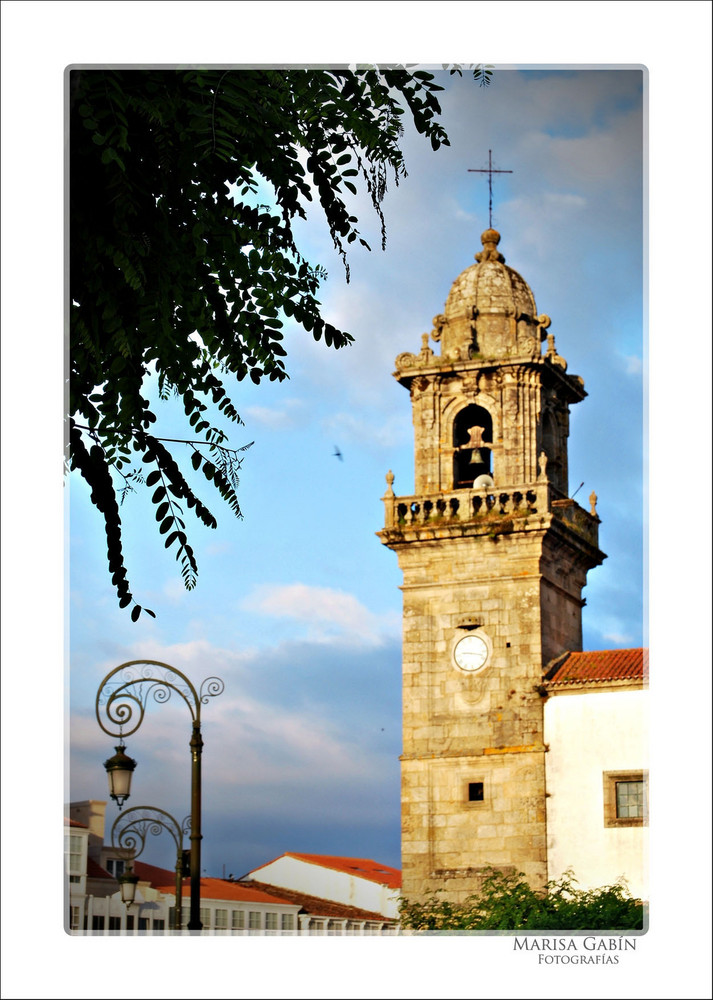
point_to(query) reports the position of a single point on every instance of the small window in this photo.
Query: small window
(159, 926)
(625, 798)
(221, 920)
(97, 923)
(115, 867)
(73, 850)
(114, 923)
(254, 920)
(143, 924)
(476, 791)
(271, 921)
(74, 918)
(129, 921)
(316, 927)
(288, 921)
(238, 920)
(205, 917)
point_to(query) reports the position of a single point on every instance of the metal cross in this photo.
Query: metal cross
(490, 171)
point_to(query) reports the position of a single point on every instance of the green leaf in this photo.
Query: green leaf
(170, 275)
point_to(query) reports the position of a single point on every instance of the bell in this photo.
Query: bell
(476, 457)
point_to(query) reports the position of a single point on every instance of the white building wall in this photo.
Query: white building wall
(316, 880)
(589, 734)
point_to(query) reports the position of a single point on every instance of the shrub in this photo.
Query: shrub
(507, 902)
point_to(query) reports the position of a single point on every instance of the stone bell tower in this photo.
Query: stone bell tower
(494, 557)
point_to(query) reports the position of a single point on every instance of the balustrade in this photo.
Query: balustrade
(491, 503)
(466, 505)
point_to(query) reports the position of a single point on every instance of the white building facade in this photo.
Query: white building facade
(596, 767)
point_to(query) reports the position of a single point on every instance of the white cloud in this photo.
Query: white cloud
(391, 431)
(291, 414)
(633, 365)
(618, 638)
(329, 615)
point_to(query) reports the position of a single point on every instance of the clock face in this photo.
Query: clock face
(471, 653)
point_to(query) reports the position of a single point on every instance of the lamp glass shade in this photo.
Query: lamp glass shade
(127, 887)
(119, 769)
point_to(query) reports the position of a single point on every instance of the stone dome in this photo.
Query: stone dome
(490, 310)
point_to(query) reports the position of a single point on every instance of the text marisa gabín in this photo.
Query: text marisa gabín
(577, 951)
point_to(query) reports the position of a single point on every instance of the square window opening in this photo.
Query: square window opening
(476, 791)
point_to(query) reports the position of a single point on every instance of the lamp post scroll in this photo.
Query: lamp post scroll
(120, 706)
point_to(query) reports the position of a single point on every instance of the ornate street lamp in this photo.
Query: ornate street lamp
(119, 770)
(126, 690)
(128, 834)
(127, 886)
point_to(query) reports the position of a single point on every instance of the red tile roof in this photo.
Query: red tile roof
(318, 907)
(599, 666)
(95, 870)
(75, 822)
(218, 888)
(155, 876)
(261, 892)
(364, 868)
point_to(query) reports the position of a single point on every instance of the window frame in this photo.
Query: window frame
(610, 780)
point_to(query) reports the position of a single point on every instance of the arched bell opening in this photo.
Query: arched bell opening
(472, 445)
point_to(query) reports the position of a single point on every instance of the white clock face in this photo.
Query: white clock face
(471, 653)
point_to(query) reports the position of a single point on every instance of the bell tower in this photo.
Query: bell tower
(494, 556)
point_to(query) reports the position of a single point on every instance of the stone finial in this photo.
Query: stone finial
(425, 354)
(593, 504)
(542, 461)
(490, 239)
(552, 354)
(389, 483)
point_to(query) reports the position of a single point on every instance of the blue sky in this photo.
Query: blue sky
(673, 41)
(297, 606)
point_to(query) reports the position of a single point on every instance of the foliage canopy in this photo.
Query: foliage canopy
(507, 902)
(177, 273)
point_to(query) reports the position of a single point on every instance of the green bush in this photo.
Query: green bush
(507, 902)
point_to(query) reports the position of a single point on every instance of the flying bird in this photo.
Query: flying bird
(338, 454)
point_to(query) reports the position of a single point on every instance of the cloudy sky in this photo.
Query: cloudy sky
(297, 607)
(294, 636)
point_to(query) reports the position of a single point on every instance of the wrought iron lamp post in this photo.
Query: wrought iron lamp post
(125, 691)
(128, 834)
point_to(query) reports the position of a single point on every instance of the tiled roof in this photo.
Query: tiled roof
(153, 875)
(75, 822)
(318, 907)
(218, 888)
(599, 666)
(364, 868)
(95, 870)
